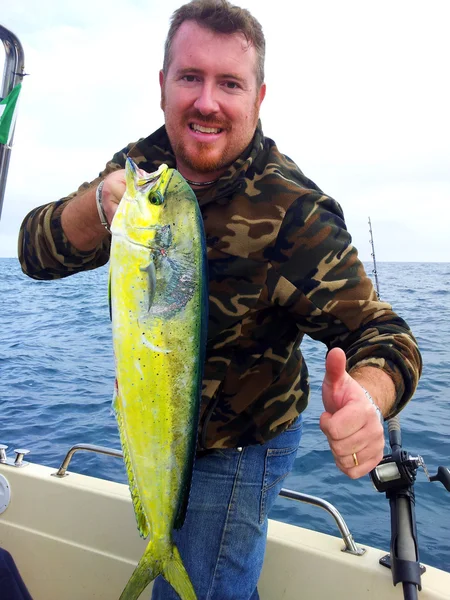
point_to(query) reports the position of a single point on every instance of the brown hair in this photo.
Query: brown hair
(222, 17)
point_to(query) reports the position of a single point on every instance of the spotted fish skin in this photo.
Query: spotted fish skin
(158, 300)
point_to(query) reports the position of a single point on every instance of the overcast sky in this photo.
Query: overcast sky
(357, 94)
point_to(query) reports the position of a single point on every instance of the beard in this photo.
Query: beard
(201, 160)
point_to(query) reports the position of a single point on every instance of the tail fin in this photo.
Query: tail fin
(155, 562)
(175, 573)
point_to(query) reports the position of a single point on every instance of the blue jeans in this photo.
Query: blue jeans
(223, 539)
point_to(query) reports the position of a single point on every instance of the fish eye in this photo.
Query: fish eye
(156, 198)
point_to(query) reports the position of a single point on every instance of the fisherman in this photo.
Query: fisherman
(281, 265)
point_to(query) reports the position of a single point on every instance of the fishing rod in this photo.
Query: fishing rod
(374, 270)
(395, 476)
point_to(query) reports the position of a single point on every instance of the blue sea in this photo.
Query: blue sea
(57, 376)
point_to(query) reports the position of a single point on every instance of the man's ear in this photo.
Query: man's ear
(161, 85)
(262, 93)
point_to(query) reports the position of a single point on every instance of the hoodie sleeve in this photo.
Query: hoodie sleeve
(319, 278)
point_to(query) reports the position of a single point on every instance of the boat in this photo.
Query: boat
(74, 537)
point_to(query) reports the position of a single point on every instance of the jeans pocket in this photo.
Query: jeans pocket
(295, 425)
(278, 464)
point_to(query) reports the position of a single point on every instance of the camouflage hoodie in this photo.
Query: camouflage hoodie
(281, 264)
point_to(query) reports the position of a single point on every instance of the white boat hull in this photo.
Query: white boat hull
(75, 538)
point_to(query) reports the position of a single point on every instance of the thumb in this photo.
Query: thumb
(335, 367)
(335, 380)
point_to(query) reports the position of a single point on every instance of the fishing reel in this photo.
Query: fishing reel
(398, 471)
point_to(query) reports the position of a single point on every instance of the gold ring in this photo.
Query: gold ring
(355, 459)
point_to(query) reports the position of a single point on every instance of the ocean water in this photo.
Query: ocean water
(57, 377)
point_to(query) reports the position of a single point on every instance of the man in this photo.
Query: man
(281, 264)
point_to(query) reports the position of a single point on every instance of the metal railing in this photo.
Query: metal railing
(62, 471)
(350, 546)
(13, 74)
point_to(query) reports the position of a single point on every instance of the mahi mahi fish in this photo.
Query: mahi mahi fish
(158, 301)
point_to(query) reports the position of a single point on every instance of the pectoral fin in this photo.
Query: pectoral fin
(150, 273)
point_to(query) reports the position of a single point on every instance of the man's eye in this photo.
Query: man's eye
(232, 85)
(189, 78)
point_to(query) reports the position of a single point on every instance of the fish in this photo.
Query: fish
(158, 304)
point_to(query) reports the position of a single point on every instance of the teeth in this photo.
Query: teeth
(196, 127)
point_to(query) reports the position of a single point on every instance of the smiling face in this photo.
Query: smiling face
(210, 99)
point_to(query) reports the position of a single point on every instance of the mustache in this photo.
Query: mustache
(211, 120)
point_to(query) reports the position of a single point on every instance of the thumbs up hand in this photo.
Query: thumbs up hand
(350, 420)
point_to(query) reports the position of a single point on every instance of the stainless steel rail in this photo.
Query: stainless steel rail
(350, 546)
(13, 74)
(62, 471)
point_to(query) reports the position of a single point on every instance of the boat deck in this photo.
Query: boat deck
(75, 538)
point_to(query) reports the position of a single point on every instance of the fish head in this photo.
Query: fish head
(155, 207)
(138, 216)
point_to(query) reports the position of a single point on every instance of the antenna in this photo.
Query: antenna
(374, 271)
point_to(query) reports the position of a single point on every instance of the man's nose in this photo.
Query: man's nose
(206, 102)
